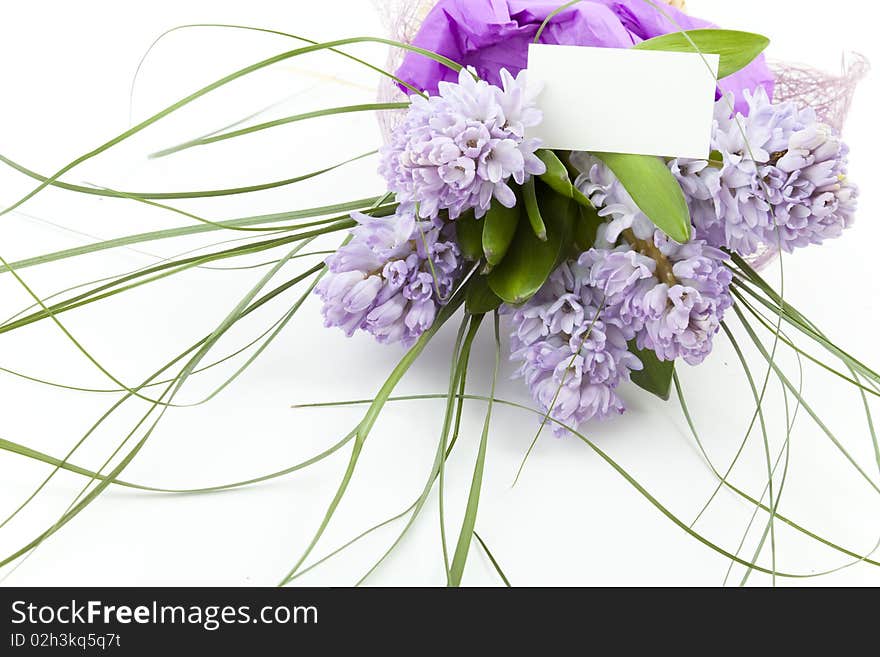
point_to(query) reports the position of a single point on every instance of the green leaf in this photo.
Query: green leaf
(498, 231)
(557, 178)
(469, 232)
(654, 189)
(530, 196)
(656, 377)
(530, 261)
(480, 299)
(737, 49)
(586, 228)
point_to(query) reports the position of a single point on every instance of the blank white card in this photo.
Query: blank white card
(611, 100)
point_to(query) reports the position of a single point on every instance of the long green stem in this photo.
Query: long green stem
(369, 420)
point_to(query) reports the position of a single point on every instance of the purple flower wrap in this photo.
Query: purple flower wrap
(494, 34)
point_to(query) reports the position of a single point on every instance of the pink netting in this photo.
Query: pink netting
(402, 19)
(830, 94)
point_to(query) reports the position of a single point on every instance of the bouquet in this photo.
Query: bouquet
(595, 271)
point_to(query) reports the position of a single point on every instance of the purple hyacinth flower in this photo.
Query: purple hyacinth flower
(458, 150)
(391, 278)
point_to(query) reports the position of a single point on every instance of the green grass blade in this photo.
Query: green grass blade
(110, 412)
(296, 118)
(27, 452)
(331, 45)
(465, 538)
(492, 560)
(46, 181)
(458, 367)
(740, 493)
(170, 233)
(365, 426)
(604, 457)
(816, 419)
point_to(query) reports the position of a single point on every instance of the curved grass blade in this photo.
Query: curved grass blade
(740, 493)
(759, 401)
(365, 426)
(296, 118)
(113, 409)
(465, 537)
(492, 559)
(200, 370)
(163, 271)
(153, 236)
(816, 419)
(331, 45)
(167, 196)
(553, 14)
(455, 372)
(35, 455)
(85, 497)
(248, 28)
(459, 372)
(759, 505)
(604, 457)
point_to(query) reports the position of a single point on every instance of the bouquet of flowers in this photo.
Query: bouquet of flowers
(598, 270)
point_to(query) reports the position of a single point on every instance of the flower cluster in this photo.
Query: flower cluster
(673, 296)
(573, 353)
(458, 150)
(572, 339)
(391, 278)
(780, 180)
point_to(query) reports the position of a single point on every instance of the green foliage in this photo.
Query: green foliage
(499, 228)
(737, 49)
(654, 189)
(656, 377)
(530, 260)
(480, 298)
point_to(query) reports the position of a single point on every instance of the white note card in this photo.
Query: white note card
(612, 100)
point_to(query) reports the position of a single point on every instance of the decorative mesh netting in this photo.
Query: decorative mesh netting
(402, 19)
(829, 94)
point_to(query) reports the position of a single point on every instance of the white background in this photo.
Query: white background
(572, 520)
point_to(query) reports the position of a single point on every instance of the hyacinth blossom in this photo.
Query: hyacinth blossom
(672, 295)
(571, 339)
(391, 278)
(780, 181)
(457, 151)
(573, 354)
